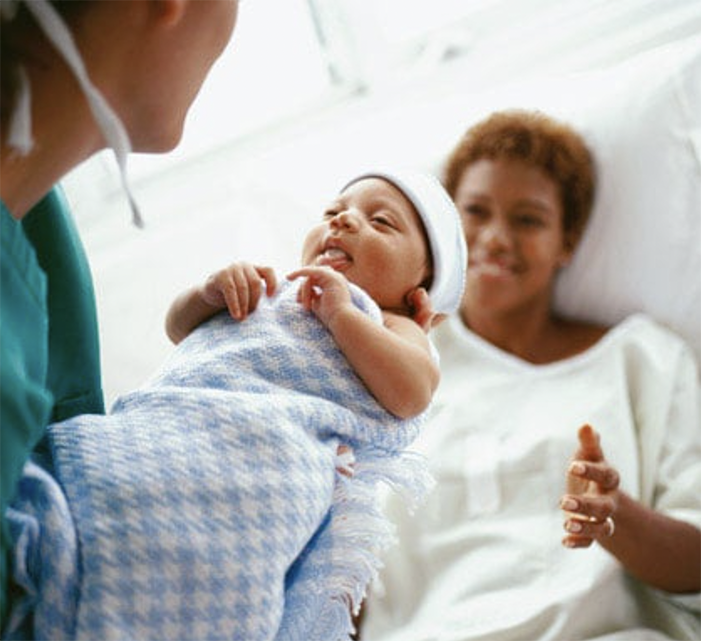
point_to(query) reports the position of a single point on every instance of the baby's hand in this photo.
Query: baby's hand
(239, 287)
(324, 291)
(592, 493)
(422, 310)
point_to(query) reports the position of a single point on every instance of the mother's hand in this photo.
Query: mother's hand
(592, 493)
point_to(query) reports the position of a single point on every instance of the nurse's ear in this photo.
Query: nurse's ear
(169, 12)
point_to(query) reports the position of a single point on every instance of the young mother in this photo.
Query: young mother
(485, 558)
(76, 77)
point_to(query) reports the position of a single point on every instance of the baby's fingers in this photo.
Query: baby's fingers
(321, 276)
(250, 284)
(305, 294)
(243, 287)
(268, 275)
(422, 311)
(220, 291)
(245, 292)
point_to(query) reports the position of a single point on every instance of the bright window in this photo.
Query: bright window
(273, 68)
(288, 57)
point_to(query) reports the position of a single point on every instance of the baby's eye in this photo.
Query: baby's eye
(329, 214)
(381, 220)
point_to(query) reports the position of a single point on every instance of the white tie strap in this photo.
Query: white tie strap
(20, 128)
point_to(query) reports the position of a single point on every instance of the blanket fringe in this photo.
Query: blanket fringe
(354, 538)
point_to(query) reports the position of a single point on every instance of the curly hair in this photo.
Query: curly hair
(539, 141)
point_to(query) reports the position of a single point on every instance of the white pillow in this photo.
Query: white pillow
(642, 120)
(642, 248)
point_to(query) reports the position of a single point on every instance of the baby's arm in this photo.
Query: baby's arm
(237, 287)
(393, 360)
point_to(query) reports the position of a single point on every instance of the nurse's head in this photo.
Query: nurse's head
(81, 75)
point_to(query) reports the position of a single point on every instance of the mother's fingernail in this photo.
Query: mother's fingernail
(577, 468)
(569, 504)
(573, 526)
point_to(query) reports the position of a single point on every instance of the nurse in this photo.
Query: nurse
(77, 77)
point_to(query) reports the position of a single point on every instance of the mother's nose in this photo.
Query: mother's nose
(496, 234)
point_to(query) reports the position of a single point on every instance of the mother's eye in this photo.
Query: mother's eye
(478, 211)
(529, 220)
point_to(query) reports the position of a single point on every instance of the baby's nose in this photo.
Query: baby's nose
(347, 219)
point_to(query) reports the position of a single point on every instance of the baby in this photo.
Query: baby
(209, 503)
(384, 234)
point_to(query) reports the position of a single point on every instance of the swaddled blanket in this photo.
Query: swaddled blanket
(208, 504)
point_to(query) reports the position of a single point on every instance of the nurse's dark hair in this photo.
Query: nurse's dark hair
(537, 140)
(19, 38)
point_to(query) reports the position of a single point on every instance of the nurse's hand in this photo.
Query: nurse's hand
(592, 493)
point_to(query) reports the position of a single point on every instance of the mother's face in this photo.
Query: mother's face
(513, 218)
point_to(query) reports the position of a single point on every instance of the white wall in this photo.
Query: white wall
(247, 189)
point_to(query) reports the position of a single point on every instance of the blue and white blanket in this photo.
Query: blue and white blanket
(208, 504)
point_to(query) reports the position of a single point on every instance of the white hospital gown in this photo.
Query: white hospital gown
(483, 559)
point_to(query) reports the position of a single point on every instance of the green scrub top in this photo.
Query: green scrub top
(49, 348)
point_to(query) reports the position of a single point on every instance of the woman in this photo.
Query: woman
(483, 559)
(76, 77)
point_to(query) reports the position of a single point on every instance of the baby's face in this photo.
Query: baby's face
(373, 235)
